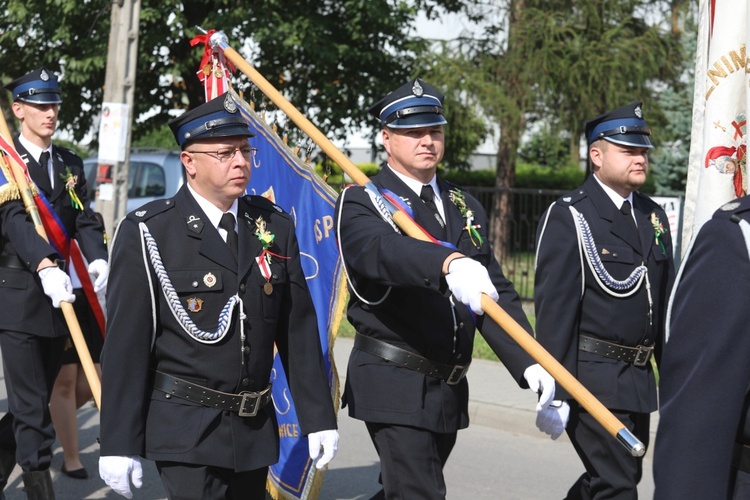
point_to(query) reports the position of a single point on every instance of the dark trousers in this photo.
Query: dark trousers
(201, 482)
(30, 366)
(411, 461)
(611, 471)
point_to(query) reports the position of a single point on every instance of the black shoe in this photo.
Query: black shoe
(75, 474)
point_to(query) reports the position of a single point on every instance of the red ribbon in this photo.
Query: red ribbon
(207, 50)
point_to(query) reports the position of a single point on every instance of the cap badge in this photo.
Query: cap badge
(229, 104)
(44, 76)
(140, 213)
(417, 89)
(209, 280)
(638, 112)
(194, 304)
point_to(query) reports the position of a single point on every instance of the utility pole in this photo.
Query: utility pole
(117, 112)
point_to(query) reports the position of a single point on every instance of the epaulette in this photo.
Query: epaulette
(150, 209)
(63, 151)
(263, 203)
(734, 210)
(572, 197)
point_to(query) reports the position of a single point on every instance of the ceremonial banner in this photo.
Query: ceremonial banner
(8, 190)
(717, 170)
(279, 175)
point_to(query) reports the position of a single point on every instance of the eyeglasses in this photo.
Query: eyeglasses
(225, 155)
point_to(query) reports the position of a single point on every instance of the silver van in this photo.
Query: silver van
(154, 173)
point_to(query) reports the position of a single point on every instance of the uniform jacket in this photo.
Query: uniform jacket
(705, 374)
(22, 249)
(566, 309)
(410, 308)
(137, 420)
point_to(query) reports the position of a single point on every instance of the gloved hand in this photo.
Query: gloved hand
(553, 418)
(468, 280)
(99, 269)
(57, 285)
(329, 440)
(117, 472)
(540, 381)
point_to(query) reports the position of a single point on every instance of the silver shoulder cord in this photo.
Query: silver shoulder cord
(614, 287)
(383, 211)
(151, 250)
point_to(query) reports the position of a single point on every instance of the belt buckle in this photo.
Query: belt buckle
(457, 374)
(249, 396)
(643, 355)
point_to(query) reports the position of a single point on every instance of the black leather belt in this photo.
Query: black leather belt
(451, 374)
(246, 404)
(741, 457)
(12, 262)
(639, 355)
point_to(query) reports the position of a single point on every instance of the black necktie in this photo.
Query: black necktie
(227, 224)
(428, 196)
(627, 212)
(44, 165)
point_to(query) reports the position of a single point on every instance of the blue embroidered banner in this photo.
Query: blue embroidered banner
(279, 175)
(8, 187)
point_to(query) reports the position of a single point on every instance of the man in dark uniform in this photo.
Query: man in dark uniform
(703, 440)
(603, 276)
(33, 337)
(406, 374)
(203, 287)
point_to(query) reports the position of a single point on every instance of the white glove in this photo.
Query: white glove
(117, 472)
(539, 380)
(99, 269)
(57, 285)
(468, 280)
(329, 440)
(552, 419)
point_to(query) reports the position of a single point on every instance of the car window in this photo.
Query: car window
(155, 184)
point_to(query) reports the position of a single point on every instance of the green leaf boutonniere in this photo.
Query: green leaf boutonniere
(70, 181)
(658, 231)
(265, 236)
(458, 199)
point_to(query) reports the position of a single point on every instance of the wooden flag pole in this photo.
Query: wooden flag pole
(67, 308)
(527, 342)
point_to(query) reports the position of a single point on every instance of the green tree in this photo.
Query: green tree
(669, 162)
(561, 62)
(327, 57)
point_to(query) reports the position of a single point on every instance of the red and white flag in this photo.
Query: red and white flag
(214, 71)
(717, 169)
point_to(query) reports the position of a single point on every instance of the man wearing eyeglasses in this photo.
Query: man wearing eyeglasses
(203, 287)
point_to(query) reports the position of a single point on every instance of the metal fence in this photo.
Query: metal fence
(527, 206)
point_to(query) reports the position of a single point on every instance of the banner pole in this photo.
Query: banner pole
(527, 342)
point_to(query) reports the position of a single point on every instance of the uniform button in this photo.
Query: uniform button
(243, 288)
(614, 254)
(246, 350)
(245, 382)
(195, 284)
(426, 282)
(461, 324)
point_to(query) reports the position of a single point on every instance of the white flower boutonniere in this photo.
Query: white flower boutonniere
(70, 181)
(458, 199)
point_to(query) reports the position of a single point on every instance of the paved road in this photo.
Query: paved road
(500, 456)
